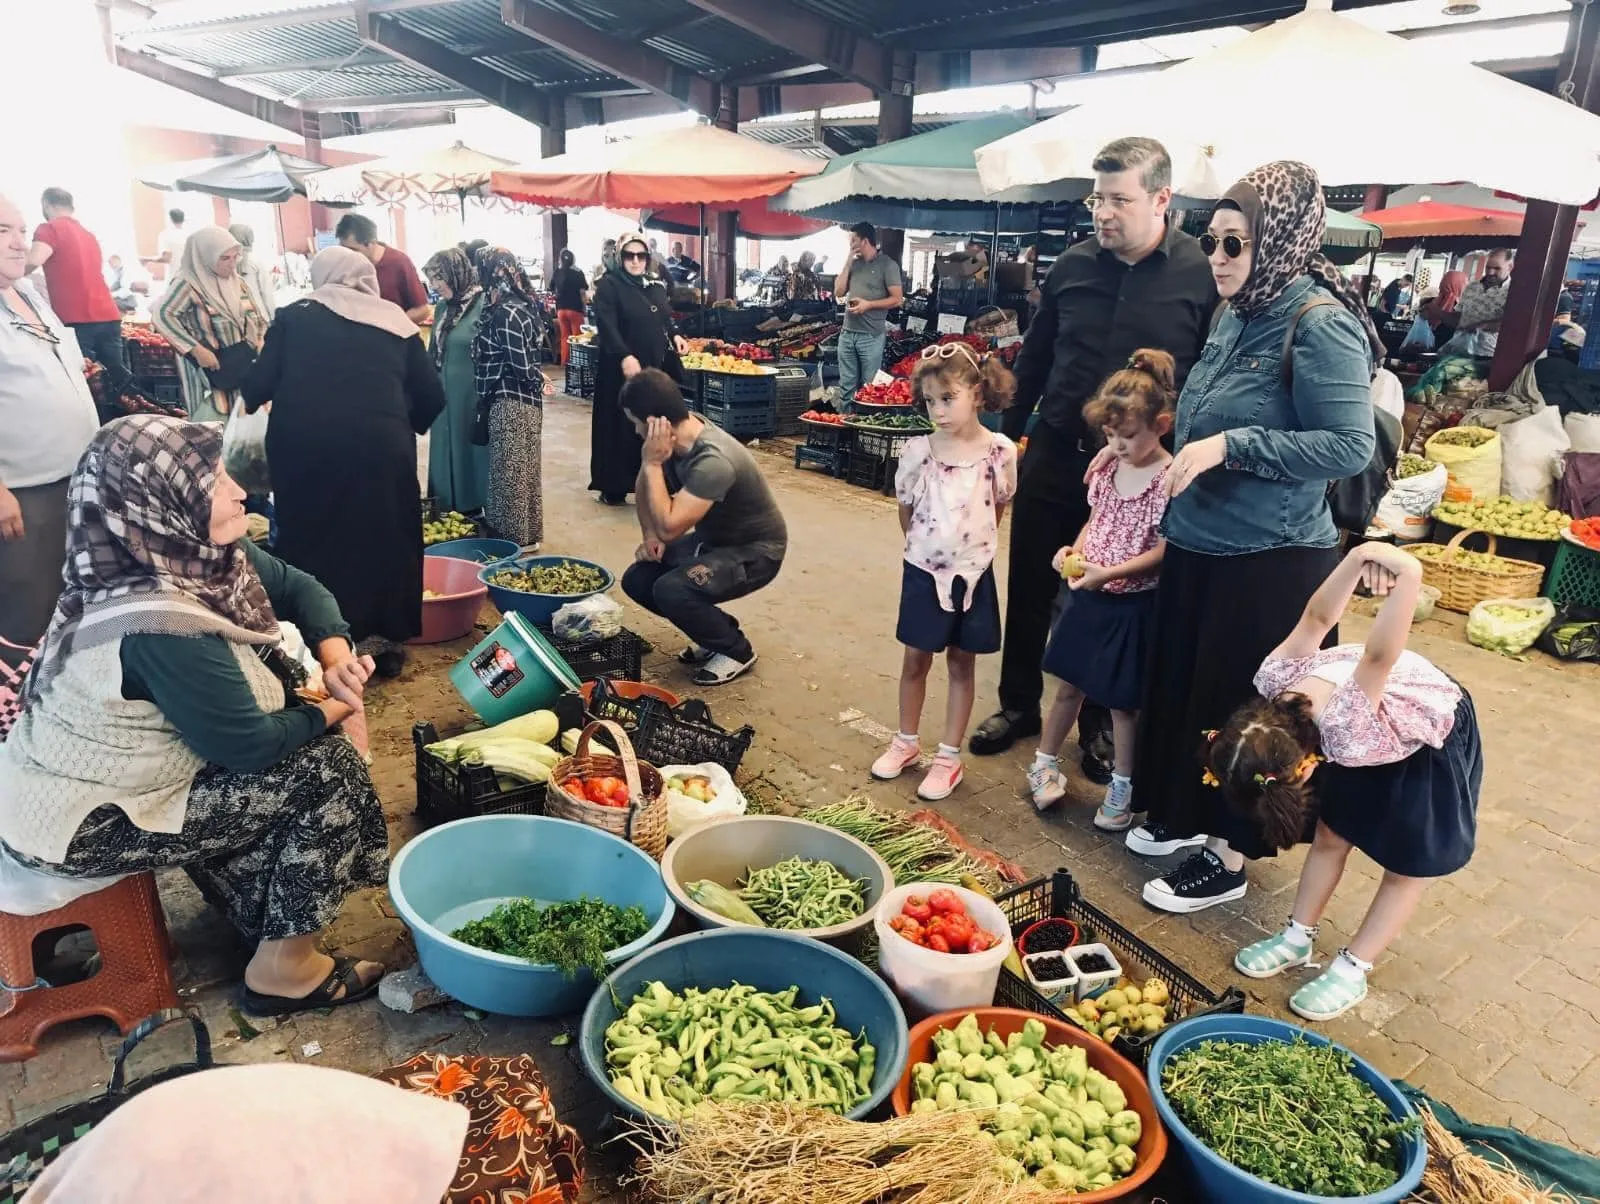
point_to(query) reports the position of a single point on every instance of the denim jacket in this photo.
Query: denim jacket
(1283, 448)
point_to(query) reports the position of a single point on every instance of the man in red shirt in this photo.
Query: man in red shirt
(75, 279)
(397, 275)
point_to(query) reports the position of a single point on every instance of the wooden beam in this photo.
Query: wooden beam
(813, 37)
(632, 61)
(387, 34)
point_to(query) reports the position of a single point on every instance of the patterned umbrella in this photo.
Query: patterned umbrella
(437, 177)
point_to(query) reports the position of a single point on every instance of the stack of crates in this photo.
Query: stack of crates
(692, 386)
(874, 457)
(794, 397)
(826, 446)
(744, 406)
(581, 362)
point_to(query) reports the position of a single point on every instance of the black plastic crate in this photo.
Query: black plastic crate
(1058, 896)
(168, 390)
(448, 792)
(743, 421)
(794, 398)
(867, 471)
(882, 445)
(834, 461)
(681, 735)
(621, 655)
(692, 386)
(151, 359)
(733, 389)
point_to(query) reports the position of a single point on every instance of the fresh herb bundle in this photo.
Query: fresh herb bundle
(572, 935)
(1292, 1113)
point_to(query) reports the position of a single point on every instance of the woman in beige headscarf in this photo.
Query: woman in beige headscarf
(257, 276)
(205, 309)
(351, 388)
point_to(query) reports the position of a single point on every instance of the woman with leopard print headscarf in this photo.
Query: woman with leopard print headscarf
(1249, 532)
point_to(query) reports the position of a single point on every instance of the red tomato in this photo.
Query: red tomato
(937, 943)
(907, 927)
(947, 902)
(981, 941)
(917, 908)
(958, 930)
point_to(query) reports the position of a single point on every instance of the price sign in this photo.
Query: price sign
(916, 325)
(952, 324)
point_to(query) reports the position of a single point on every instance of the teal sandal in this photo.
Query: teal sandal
(1271, 957)
(1332, 993)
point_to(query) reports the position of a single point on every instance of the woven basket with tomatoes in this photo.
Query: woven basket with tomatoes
(618, 794)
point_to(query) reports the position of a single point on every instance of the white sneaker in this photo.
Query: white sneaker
(1116, 810)
(1046, 784)
(721, 669)
(1153, 840)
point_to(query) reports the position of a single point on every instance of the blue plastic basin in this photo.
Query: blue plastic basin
(484, 551)
(1218, 1179)
(540, 608)
(768, 961)
(459, 871)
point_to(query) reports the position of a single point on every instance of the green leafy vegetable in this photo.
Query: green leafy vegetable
(1292, 1113)
(572, 935)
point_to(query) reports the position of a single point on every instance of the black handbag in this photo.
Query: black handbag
(233, 364)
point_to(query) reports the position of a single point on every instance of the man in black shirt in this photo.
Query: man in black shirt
(1135, 284)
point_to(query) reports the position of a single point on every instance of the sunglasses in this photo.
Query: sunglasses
(944, 351)
(1232, 245)
(642, 256)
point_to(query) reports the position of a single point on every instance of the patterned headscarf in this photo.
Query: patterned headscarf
(139, 553)
(1282, 202)
(503, 279)
(454, 268)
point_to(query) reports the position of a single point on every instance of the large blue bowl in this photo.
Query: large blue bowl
(540, 608)
(459, 871)
(768, 961)
(1218, 1179)
(484, 551)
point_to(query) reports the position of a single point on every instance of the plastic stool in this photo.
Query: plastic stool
(134, 980)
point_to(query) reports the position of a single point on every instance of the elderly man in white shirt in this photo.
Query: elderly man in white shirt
(48, 417)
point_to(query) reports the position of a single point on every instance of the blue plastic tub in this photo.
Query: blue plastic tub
(460, 871)
(484, 551)
(511, 671)
(540, 608)
(768, 961)
(1219, 1180)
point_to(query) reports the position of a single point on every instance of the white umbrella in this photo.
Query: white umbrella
(450, 173)
(1297, 90)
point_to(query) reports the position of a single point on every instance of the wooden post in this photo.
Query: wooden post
(894, 123)
(723, 268)
(553, 142)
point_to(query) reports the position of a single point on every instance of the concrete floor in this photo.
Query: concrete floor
(1491, 1001)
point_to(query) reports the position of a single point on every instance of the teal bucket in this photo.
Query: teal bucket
(514, 670)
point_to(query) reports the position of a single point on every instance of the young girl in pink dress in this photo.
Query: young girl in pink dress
(953, 487)
(1377, 747)
(1101, 637)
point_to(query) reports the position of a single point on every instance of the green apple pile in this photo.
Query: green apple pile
(1414, 466)
(1505, 516)
(1498, 566)
(447, 526)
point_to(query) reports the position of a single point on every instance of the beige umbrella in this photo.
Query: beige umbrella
(432, 177)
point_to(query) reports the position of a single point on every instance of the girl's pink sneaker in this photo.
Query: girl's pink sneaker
(896, 759)
(942, 779)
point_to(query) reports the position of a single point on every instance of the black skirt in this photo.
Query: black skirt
(1417, 817)
(927, 626)
(1100, 644)
(1217, 617)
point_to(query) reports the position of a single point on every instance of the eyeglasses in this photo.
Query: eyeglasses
(38, 330)
(944, 351)
(642, 256)
(1232, 245)
(1097, 200)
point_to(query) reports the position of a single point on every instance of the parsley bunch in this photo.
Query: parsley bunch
(572, 935)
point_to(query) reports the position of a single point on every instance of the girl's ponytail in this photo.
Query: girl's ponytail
(1159, 366)
(997, 382)
(1144, 388)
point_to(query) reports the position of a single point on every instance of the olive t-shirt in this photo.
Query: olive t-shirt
(720, 470)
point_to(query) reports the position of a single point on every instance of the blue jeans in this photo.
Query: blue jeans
(860, 359)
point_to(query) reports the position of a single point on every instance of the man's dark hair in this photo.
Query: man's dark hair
(57, 198)
(175, 216)
(653, 394)
(1408, 278)
(1144, 155)
(362, 229)
(866, 232)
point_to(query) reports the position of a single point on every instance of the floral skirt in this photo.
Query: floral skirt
(515, 509)
(276, 852)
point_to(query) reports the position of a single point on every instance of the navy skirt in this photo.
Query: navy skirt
(929, 627)
(1100, 644)
(1417, 817)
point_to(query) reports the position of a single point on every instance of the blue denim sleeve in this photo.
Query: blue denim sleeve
(1332, 403)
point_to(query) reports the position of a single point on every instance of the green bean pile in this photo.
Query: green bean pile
(803, 894)
(568, 577)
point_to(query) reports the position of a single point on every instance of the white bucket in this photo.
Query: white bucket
(928, 981)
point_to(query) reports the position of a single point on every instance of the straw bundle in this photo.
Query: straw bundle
(1455, 1175)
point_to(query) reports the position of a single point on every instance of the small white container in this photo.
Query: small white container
(1097, 982)
(928, 981)
(1053, 989)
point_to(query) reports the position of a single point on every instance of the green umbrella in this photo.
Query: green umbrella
(1349, 238)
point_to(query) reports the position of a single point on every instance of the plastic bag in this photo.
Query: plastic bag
(587, 621)
(1509, 625)
(1476, 470)
(1583, 431)
(1406, 510)
(1419, 337)
(1531, 454)
(244, 450)
(1389, 395)
(1574, 635)
(684, 812)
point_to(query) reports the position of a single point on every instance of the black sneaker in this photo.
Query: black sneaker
(1097, 768)
(1202, 881)
(1001, 730)
(1155, 840)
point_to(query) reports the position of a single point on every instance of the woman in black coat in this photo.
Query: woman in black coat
(351, 388)
(634, 319)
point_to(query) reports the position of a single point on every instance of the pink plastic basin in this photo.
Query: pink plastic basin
(452, 614)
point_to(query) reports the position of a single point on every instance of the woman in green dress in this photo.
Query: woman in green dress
(458, 469)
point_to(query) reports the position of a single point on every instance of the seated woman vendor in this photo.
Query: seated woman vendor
(162, 726)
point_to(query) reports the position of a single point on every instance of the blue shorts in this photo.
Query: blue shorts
(929, 627)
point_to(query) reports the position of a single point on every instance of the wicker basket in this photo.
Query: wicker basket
(643, 822)
(1461, 586)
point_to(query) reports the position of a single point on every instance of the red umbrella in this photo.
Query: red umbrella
(1433, 219)
(756, 220)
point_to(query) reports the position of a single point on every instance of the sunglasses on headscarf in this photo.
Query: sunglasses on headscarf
(642, 256)
(1232, 245)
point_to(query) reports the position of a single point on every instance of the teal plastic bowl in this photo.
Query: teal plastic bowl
(1218, 1179)
(540, 608)
(460, 871)
(484, 551)
(768, 961)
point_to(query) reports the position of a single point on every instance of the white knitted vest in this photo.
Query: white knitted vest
(83, 745)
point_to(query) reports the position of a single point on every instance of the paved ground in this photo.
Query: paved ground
(1491, 1001)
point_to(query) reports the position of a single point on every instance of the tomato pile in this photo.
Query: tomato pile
(603, 792)
(819, 416)
(939, 921)
(1587, 532)
(896, 393)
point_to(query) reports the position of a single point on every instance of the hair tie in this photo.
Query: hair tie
(1207, 778)
(1210, 734)
(1133, 363)
(1266, 779)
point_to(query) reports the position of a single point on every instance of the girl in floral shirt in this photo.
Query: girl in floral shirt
(1400, 769)
(953, 486)
(1098, 648)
